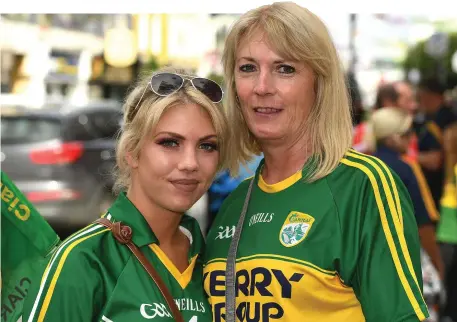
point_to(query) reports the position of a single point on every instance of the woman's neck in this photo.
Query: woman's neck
(164, 223)
(282, 162)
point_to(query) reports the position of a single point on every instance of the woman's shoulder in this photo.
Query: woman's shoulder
(240, 190)
(356, 168)
(86, 245)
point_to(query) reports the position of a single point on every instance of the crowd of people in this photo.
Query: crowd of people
(413, 129)
(331, 226)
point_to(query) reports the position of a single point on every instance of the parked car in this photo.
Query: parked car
(62, 159)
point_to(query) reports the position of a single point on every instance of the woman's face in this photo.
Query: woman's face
(179, 159)
(276, 95)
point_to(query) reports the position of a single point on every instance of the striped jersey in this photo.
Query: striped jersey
(342, 248)
(92, 277)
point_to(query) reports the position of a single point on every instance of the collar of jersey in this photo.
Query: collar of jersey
(124, 210)
(286, 183)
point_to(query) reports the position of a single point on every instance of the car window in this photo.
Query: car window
(107, 124)
(28, 129)
(93, 125)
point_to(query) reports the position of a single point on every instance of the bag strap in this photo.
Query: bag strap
(230, 271)
(123, 234)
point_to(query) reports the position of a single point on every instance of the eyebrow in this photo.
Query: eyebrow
(179, 136)
(277, 61)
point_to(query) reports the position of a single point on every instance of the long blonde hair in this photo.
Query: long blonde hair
(139, 121)
(299, 35)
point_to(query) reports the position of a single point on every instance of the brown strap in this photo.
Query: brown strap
(123, 235)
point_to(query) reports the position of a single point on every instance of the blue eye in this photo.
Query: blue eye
(247, 68)
(286, 69)
(169, 143)
(209, 147)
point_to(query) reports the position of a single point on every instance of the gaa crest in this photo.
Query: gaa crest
(295, 228)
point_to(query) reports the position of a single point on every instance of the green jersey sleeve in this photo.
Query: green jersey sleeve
(69, 288)
(384, 246)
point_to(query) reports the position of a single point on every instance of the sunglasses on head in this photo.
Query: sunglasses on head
(165, 84)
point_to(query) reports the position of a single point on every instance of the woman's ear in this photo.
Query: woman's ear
(132, 161)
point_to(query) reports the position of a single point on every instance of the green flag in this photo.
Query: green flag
(447, 228)
(27, 244)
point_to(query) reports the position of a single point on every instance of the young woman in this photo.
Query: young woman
(174, 140)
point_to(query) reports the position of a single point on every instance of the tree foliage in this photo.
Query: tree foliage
(417, 58)
(151, 65)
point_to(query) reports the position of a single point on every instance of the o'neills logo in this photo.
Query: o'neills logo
(161, 310)
(295, 228)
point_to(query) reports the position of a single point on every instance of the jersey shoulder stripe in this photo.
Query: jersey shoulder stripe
(55, 266)
(436, 131)
(383, 170)
(377, 173)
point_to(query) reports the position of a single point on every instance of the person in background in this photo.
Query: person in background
(358, 112)
(224, 184)
(438, 117)
(392, 130)
(447, 229)
(398, 94)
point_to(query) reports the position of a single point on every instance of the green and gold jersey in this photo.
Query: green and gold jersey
(343, 248)
(92, 277)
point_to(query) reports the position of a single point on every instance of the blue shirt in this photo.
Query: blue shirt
(224, 184)
(413, 178)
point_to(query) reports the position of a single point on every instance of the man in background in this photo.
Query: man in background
(437, 119)
(396, 94)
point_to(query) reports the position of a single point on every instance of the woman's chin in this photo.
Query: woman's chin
(181, 206)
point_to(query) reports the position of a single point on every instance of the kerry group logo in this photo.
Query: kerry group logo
(295, 228)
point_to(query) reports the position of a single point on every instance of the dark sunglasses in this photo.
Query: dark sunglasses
(165, 84)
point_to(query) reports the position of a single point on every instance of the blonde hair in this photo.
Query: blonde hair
(388, 121)
(139, 121)
(296, 34)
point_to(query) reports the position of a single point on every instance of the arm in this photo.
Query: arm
(431, 142)
(425, 213)
(431, 160)
(450, 151)
(68, 290)
(428, 241)
(388, 278)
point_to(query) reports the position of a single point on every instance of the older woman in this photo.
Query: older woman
(173, 142)
(321, 232)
